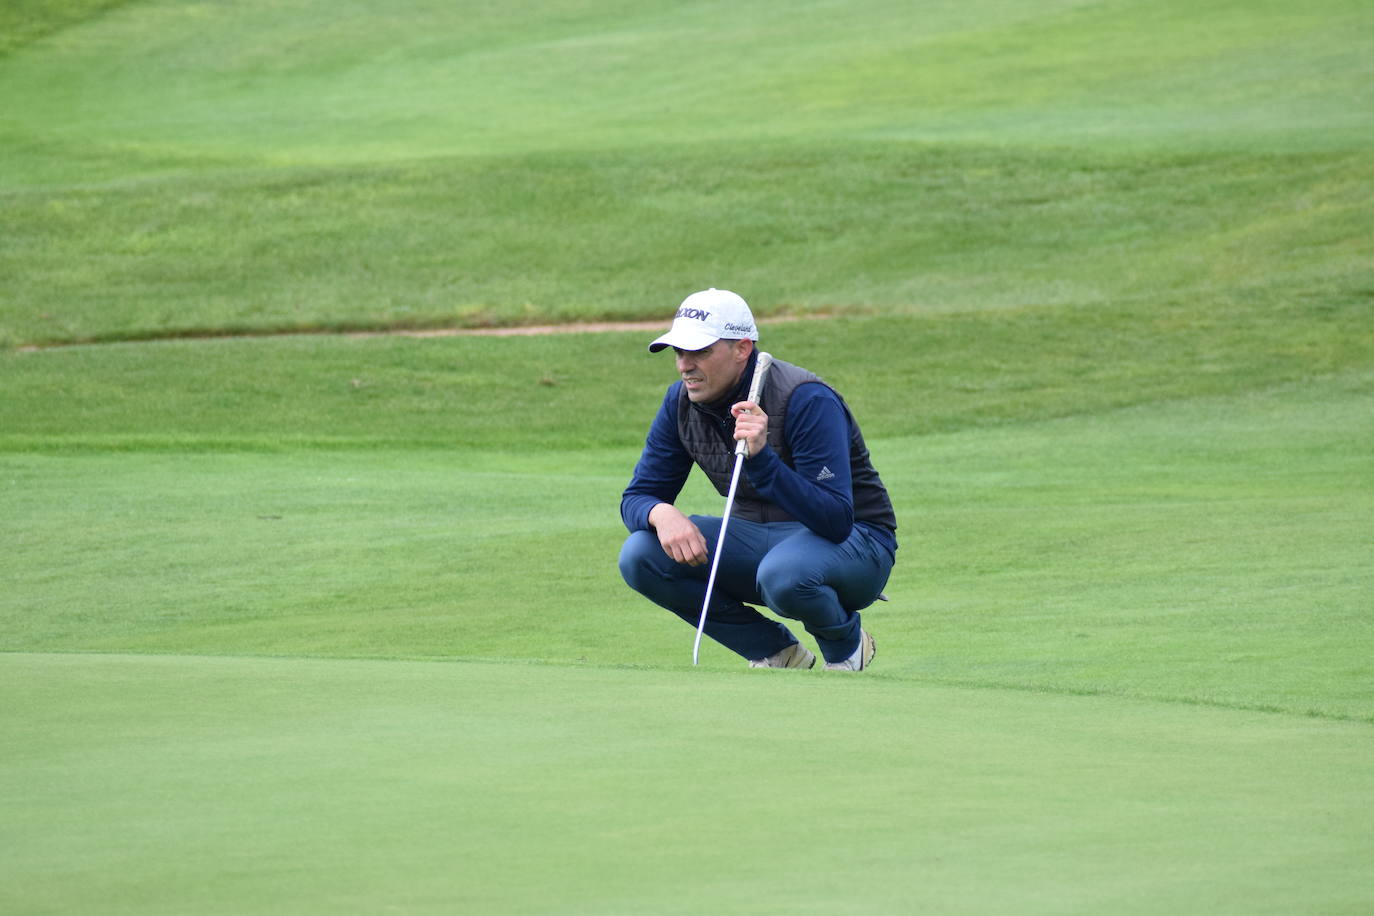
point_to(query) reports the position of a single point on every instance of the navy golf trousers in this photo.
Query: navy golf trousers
(781, 565)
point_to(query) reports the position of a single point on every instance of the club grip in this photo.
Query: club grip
(760, 370)
(755, 389)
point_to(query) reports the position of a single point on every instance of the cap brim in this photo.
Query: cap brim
(683, 339)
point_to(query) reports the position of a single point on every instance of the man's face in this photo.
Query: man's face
(709, 373)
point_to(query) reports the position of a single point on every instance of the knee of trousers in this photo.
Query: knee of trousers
(641, 556)
(781, 584)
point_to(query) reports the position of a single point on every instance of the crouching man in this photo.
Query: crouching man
(812, 532)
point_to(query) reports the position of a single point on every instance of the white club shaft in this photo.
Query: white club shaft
(715, 557)
(741, 450)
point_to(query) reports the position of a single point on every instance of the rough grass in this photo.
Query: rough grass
(23, 22)
(198, 168)
(908, 375)
(473, 242)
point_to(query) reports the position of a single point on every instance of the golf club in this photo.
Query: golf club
(741, 449)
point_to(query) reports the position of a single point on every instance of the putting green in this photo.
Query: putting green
(222, 785)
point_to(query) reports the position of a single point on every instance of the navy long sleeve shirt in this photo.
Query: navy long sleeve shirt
(817, 490)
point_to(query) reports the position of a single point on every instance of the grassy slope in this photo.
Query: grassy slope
(170, 169)
(524, 239)
(908, 375)
(363, 81)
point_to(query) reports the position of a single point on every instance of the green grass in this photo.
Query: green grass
(273, 785)
(162, 84)
(1147, 552)
(23, 22)
(187, 168)
(910, 375)
(316, 623)
(479, 241)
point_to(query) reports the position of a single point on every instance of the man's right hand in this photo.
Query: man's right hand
(680, 537)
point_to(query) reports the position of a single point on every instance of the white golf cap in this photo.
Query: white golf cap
(706, 317)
